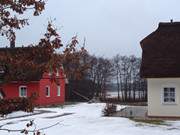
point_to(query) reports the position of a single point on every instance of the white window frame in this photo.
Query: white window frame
(58, 90)
(49, 91)
(20, 91)
(162, 95)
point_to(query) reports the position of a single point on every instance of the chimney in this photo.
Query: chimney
(12, 44)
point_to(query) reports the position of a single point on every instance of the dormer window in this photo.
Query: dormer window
(50, 73)
(2, 71)
(57, 72)
(2, 94)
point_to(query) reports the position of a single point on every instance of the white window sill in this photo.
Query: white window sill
(23, 96)
(169, 103)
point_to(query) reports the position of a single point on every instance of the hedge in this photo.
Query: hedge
(16, 104)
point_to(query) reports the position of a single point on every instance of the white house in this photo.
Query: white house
(161, 67)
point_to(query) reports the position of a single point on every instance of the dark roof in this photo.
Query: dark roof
(161, 52)
(28, 73)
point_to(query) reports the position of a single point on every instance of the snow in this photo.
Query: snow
(16, 114)
(86, 119)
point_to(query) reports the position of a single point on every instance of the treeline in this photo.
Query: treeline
(121, 71)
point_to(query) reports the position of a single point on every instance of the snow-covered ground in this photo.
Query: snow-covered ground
(86, 119)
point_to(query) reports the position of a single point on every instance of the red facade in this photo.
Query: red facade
(55, 85)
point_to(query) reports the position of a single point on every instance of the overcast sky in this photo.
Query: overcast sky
(110, 26)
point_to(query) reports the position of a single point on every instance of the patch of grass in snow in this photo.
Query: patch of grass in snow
(153, 122)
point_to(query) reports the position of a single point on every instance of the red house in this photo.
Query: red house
(49, 91)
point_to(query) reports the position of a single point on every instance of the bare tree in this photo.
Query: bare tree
(127, 77)
(100, 73)
(117, 73)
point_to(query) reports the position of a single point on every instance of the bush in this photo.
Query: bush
(16, 104)
(109, 109)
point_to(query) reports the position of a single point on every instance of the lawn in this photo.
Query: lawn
(86, 119)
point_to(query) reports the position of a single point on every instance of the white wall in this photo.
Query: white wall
(156, 107)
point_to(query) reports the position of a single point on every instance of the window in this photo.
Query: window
(50, 73)
(57, 72)
(22, 91)
(47, 91)
(58, 90)
(2, 71)
(169, 95)
(2, 94)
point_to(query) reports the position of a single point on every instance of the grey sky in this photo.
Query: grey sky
(110, 26)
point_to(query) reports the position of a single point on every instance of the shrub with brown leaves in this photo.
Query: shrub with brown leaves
(16, 104)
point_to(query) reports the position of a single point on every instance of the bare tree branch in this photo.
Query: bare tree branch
(32, 131)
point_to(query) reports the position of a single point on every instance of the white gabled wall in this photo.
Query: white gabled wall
(156, 107)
